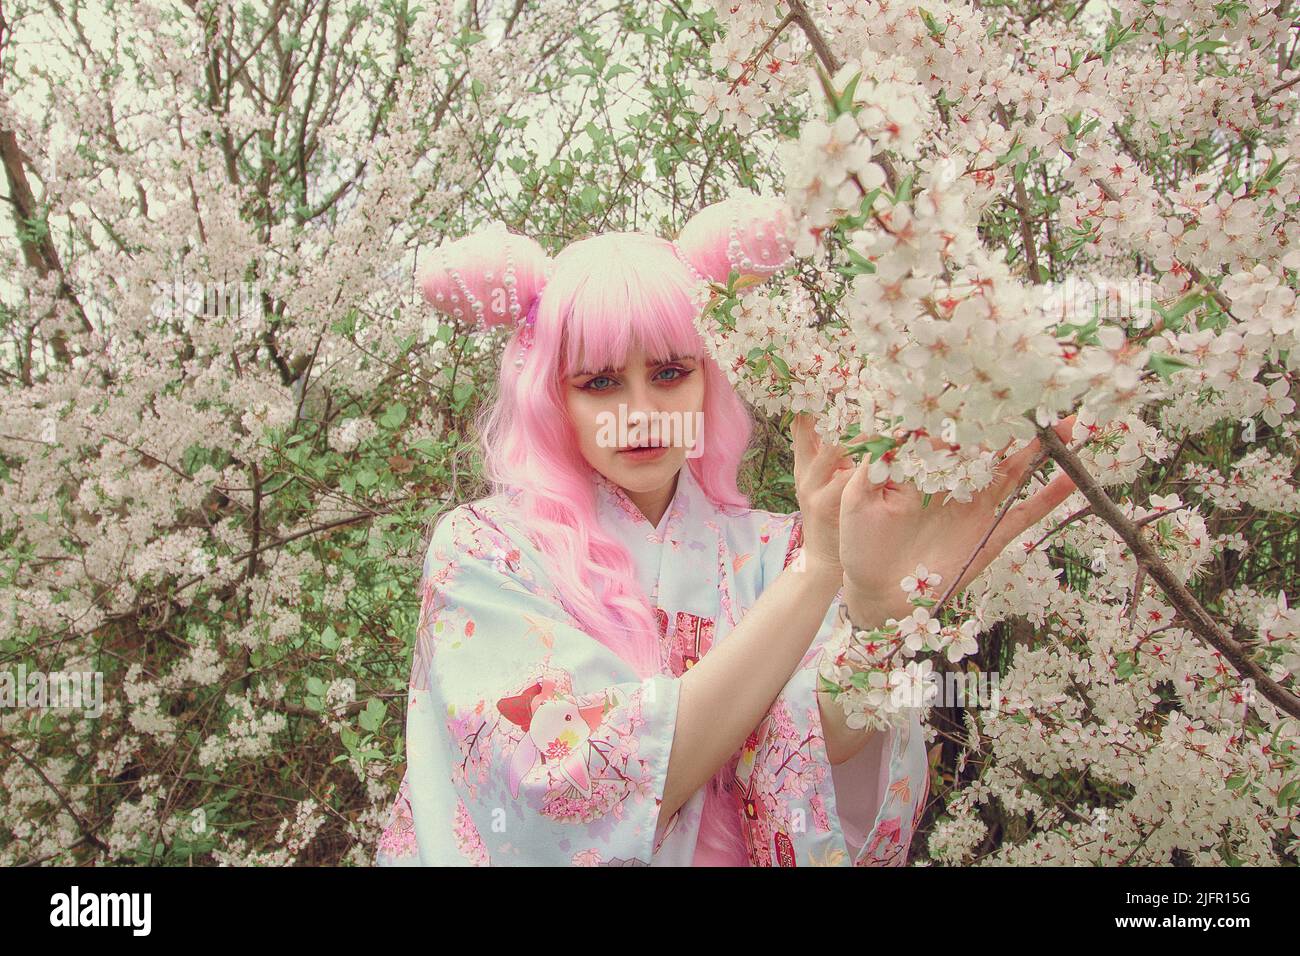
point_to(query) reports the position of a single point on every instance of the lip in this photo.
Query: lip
(649, 453)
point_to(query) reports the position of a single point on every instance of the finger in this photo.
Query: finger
(1014, 468)
(839, 480)
(802, 443)
(1028, 513)
(1003, 450)
(1064, 428)
(829, 460)
(816, 459)
(861, 487)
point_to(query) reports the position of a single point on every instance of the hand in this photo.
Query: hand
(821, 472)
(885, 532)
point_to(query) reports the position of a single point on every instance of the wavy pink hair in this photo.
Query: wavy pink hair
(601, 297)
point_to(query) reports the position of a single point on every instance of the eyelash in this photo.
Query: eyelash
(586, 386)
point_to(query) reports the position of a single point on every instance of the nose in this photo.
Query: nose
(643, 403)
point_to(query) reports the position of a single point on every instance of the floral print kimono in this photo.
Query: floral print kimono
(531, 743)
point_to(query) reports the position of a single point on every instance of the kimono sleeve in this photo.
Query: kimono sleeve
(806, 811)
(528, 741)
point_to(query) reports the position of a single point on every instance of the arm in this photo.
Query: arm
(725, 696)
(806, 806)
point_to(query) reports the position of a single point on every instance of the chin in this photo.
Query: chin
(648, 476)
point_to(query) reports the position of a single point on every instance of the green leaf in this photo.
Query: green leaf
(878, 446)
(393, 416)
(1010, 154)
(193, 458)
(1125, 664)
(349, 737)
(1173, 317)
(904, 191)
(1165, 365)
(859, 264)
(930, 23)
(1209, 46)
(844, 100)
(860, 679)
(373, 716)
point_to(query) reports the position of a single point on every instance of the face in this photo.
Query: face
(613, 410)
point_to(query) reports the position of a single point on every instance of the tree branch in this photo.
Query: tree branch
(1183, 601)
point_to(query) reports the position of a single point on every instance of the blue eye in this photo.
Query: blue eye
(591, 387)
(681, 373)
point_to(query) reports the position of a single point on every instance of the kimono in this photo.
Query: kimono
(531, 743)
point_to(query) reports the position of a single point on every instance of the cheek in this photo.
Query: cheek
(691, 394)
(584, 412)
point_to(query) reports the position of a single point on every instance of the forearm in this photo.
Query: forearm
(725, 696)
(842, 741)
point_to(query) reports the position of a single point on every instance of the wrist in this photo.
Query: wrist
(864, 609)
(824, 572)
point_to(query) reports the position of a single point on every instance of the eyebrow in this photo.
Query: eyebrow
(648, 364)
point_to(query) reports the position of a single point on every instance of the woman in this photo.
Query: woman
(616, 656)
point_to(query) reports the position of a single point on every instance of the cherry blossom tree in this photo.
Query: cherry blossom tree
(1006, 215)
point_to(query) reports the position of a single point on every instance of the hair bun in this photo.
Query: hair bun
(749, 233)
(487, 278)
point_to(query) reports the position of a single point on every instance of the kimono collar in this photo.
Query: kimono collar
(615, 509)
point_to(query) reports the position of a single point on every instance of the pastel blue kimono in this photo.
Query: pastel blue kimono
(530, 743)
